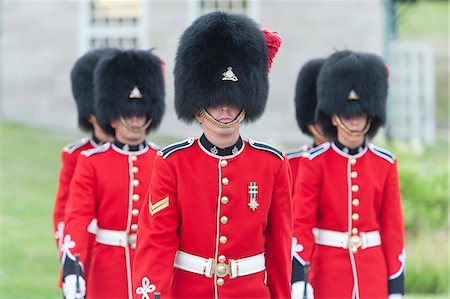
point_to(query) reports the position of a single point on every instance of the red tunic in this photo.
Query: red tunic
(200, 205)
(109, 184)
(69, 158)
(350, 194)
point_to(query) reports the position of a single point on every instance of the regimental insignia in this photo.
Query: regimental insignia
(135, 93)
(252, 191)
(214, 150)
(353, 96)
(157, 207)
(235, 150)
(229, 75)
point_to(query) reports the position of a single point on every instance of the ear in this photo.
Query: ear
(114, 123)
(92, 119)
(198, 117)
(333, 120)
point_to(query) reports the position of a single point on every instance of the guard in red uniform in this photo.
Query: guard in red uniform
(110, 181)
(217, 221)
(348, 218)
(305, 106)
(83, 92)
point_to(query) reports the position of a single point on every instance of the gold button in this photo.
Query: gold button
(135, 169)
(134, 227)
(135, 197)
(355, 216)
(135, 182)
(225, 181)
(223, 163)
(355, 188)
(355, 202)
(224, 200)
(223, 240)
(353, 161)
(354, 230)
(133, 158)
(134, 212)
(220, 282)
(133, 246)
(354, 174)
(224, 219)
(222, 258)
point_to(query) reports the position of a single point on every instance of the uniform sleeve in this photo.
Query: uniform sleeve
(80, 210)
(279, 235)
(392, 233)
(308, 186)
(157, 237)
(65, 176)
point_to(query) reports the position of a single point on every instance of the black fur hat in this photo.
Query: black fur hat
(129, 83)
(221, 58)
(351, 84)
(82, 80)
(305, 94)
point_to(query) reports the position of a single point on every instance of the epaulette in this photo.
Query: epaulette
(96, 150)
(166, 151)
(266, 147)
(296, 152)
(381, 152)
(316, 151)
(70, 148)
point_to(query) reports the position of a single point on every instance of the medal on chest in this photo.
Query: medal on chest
(252, 192)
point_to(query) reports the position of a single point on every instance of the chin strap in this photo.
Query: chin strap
(135, 130)
(319, 137)
(222, 125)
(350, 132)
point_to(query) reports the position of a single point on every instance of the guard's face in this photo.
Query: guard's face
(354, 123)
(132, 131)
(224, 113)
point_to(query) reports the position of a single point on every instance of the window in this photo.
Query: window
(114, 23)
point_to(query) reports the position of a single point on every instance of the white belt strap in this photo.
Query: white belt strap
(115, 237)
(208, 267)
(342, 240)
(92, 227)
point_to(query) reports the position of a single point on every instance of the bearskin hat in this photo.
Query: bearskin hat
(305, 94)
(129, 83)
(221, 58)
(82, 81)
(351, 84)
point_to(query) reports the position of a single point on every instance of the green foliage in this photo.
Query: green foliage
(427, 263)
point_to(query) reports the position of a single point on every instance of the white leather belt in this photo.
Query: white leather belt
(115, 238)
(208, 267)
(343, 240)
(92, 227)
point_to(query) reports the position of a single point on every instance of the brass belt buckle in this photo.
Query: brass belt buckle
(355, 242)
(222, 270)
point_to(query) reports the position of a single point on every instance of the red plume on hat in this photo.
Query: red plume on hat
(273, 41)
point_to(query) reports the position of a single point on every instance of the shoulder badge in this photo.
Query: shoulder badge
(70, 148)
(295, 153)
(266, 147)
(166, 151)
(96, 150)
(316, 151)
(381, 152)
